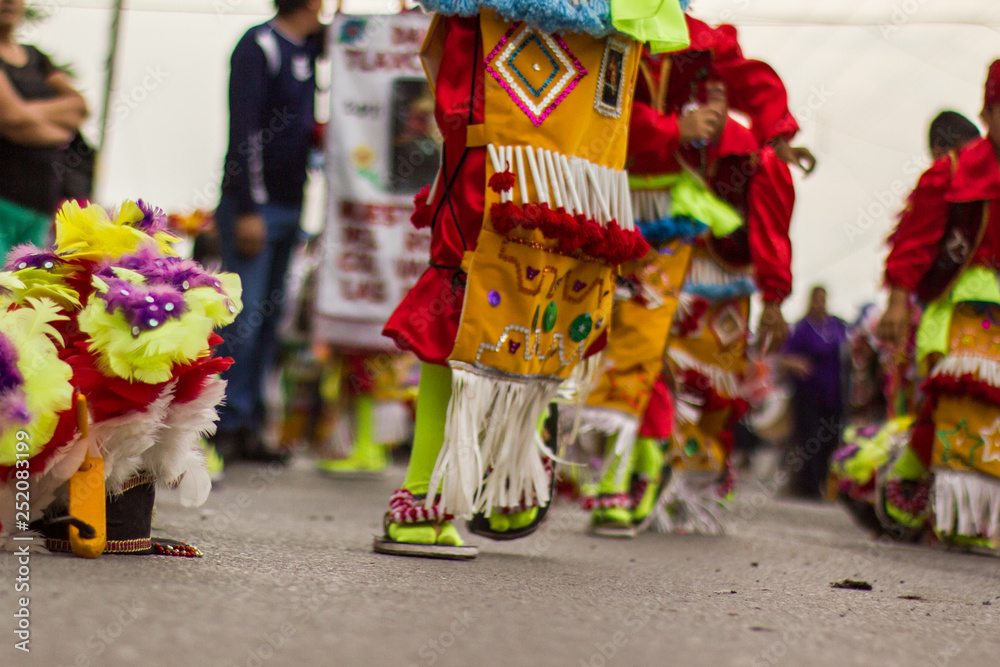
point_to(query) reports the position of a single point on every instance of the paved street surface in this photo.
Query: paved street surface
(289, 578)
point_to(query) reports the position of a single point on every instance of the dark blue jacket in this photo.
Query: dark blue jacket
(272, 87)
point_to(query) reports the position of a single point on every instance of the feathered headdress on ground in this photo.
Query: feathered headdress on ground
(112, 311)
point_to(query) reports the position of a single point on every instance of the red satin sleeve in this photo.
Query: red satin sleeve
(752, 86)
(757, 90)
(913, 244)
(653, 139)
(771, 199)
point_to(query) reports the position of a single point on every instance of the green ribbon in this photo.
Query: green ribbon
(690, 197)
(659, 22)
(977, 283)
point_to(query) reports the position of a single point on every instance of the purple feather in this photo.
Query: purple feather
(10, 376)
(146, 260)
(144, 307)
(154, 219)
(13, 408)
(182, 274)
(28, 256)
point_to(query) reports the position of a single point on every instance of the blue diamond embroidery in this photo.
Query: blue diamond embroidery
(537, 92)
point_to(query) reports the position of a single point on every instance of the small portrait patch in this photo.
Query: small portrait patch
(610, 91)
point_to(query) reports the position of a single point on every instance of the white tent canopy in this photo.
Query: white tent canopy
(864, 76)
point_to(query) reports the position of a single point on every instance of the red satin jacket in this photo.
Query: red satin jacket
(973, 175)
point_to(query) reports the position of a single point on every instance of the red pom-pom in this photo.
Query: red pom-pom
(592, 237)
(505, 217)
(502, 181)
(422, 216)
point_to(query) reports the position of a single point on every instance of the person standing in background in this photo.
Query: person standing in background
(272, 90)
(40, 111)
(813, 356)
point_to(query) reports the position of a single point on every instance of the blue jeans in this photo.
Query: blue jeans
(252, 339)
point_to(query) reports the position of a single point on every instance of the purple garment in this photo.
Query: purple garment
(822, 344)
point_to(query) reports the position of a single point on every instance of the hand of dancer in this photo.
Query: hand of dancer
(800, 156)
(705, 122)
(893, 326)
(251, 234)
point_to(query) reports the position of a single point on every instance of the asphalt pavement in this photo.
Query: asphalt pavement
(289, 578)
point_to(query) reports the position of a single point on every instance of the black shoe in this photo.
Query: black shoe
(228, 445)
(255, 451)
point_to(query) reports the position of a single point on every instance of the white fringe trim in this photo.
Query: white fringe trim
(600, 193)
(689, 504)
(966, 503)
(577, 387)
(720, 380)
(491, 427)
(393, 423)
(574, 392)
(984, 370)
(652, 205)
(613, 423)
(707, 271)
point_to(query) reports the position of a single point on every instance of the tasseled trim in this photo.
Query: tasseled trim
(577, 387)
(708, 279)
(709, 399)
(965, 375)
(606, 502)
(502, 181)
(525, 505)
(612, 423)
(405, 508)
(966, 504)
(574, 391)
(492, 426)
(692, 309)
(723, 382)
(573, 233)
(985, 370)
(423, 214)
(567, 182)
(690, 504)
(968, 386)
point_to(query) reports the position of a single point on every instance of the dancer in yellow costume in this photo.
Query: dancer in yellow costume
(530, 217)
(680, 105)
(945, 251)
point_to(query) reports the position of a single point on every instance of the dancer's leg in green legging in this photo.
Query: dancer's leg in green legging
(501, 522)
(615, 481)
(648, 463)
(433, 395)
(368, 455)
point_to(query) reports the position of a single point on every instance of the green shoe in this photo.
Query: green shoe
(424, 540)
(370, 464)
(432, 537)
(502, 522)
(648, 480)
(612, 522)
(216, 466)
